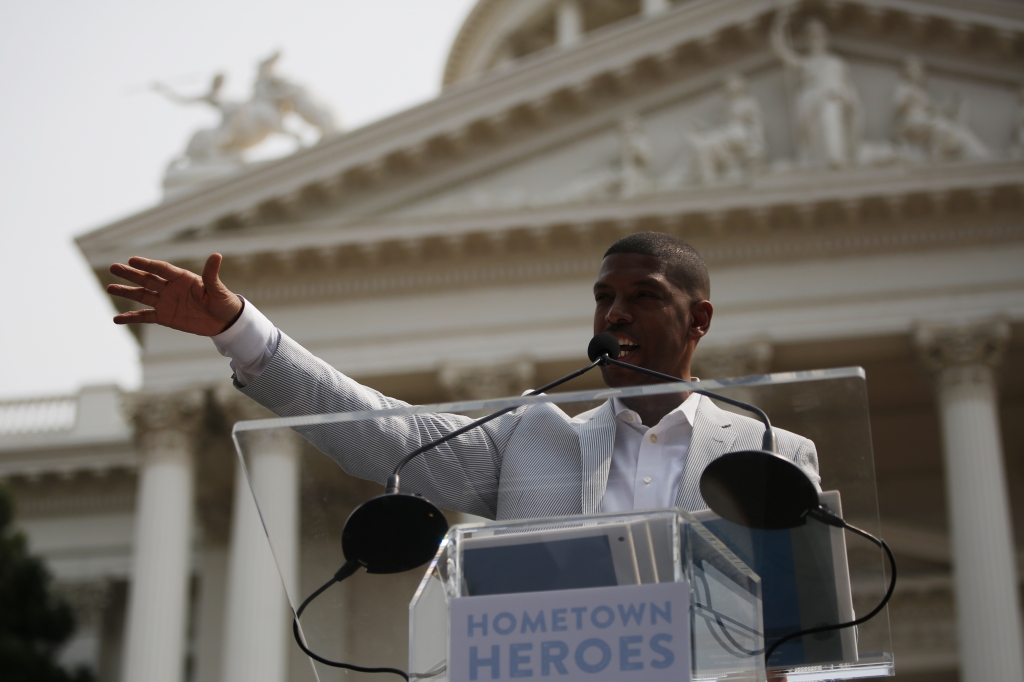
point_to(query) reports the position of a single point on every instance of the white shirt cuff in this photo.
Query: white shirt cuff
(250, 343)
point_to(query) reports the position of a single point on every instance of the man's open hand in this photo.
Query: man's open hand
(178, 299)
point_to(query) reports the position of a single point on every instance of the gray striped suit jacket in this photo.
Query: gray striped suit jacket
(534, 462)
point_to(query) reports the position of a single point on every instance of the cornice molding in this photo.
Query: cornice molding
(611, 64)
(540, 257)
(763, 209)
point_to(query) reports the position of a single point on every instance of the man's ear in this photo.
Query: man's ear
(700, 319)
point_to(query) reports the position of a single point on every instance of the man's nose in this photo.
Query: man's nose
(618, 313)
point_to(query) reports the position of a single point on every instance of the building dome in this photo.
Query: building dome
(499, 32)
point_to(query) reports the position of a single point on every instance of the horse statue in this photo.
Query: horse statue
(245, 124)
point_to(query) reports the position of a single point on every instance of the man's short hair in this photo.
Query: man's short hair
(685, 266)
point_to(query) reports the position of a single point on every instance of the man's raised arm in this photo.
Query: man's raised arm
(178, 299)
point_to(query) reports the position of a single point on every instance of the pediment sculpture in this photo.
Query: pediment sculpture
(625, 175)
(830, 116)
(927, 132)
(246, 123)
(736, 148)
(670, 148)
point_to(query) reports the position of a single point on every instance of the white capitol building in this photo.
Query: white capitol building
(853, 172)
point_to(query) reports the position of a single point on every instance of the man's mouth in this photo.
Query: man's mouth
(626, 347)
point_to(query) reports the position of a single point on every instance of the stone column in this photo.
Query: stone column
(158, 594)
(962, 359)
(258, 617)
(568, 23)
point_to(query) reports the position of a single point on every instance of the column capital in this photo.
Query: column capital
(963, 352)
(479, 381)
(238, 407)
(166, 418)
(162, 411)
(733, 360)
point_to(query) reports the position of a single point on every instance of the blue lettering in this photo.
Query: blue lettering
(632, 611)
(593, 643)
(482, 625)
(579, 611)
(666, 613)
(504, 617)
(516, 659)
(667, 657)
(475, 662)
(553, 654)
(627, 653)
(558, 620)
(604, 622)
(538, 623)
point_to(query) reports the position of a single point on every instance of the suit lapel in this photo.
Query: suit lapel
(712, 438)
(597, 441)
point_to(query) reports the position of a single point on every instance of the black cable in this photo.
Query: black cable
(344, 572)
(718, 619)
(831, 519)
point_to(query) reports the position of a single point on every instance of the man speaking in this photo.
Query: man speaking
(651, 292)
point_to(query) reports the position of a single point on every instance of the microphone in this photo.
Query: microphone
(603, 344)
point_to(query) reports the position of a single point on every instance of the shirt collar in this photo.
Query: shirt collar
(686, 410)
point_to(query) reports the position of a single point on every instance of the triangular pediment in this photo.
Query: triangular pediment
(550, 138)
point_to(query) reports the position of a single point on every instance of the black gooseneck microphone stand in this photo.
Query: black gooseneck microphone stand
(759, 489)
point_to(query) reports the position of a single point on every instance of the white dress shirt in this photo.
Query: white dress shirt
(647, 462)
(250, 343)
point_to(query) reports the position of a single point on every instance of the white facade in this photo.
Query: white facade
(453, 245)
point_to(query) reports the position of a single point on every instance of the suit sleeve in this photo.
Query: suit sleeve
(461, 474)
(806, 457)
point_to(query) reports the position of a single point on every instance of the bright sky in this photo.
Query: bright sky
(84, 142)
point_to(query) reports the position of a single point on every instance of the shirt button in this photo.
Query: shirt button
(654, 438)
(629, 417)
(647, 480)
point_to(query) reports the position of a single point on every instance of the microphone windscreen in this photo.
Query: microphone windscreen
(604, 343)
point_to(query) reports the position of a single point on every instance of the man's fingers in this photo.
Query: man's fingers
(156, 267)
(211, 271)
(143, 296)
(147, 316)
(143, 279)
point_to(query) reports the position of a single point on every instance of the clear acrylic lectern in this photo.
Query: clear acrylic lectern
(743, 589)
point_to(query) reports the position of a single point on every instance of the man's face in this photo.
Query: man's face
(656, 322)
